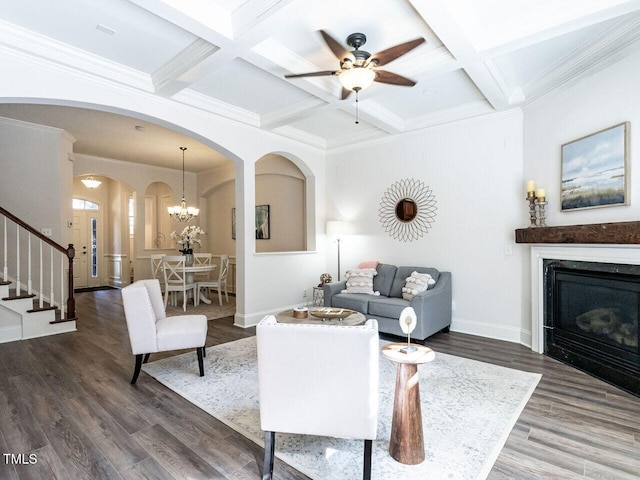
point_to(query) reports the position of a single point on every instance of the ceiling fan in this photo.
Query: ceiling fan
(358, 69)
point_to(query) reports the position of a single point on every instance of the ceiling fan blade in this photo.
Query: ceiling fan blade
(383, 76)
(345, 93)
(311, 74)
(338, 50)
(386, 56)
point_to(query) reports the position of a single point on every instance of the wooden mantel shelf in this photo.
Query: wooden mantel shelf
(616, 233)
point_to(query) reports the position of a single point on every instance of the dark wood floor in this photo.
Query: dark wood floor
(67, 399)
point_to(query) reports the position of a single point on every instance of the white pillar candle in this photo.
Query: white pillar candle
(531, 186)
(541, 193)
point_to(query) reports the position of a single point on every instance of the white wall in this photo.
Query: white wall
(601, 101)
(475, 171)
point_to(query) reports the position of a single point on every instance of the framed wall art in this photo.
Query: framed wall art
(263, 225)
(595, 170)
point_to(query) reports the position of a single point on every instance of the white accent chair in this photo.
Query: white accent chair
(175, 280)
(318, 380)
(151, 331)
(221, 283)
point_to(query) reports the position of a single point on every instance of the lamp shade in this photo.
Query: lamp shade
(356, 78)
(338, 227)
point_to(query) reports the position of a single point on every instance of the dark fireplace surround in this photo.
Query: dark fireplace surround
(591, 313)
(591, 309)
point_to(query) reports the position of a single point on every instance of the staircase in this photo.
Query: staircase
(37, 274)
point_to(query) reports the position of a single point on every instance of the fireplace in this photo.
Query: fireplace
(591, 311)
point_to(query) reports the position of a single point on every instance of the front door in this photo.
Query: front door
(86, 229)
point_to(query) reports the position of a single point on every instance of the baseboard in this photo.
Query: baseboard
(487, 330)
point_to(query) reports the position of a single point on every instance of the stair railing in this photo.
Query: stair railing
(44, 270)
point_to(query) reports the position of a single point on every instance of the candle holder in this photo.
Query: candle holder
(531, 198)
(540, 204)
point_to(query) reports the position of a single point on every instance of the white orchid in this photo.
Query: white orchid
(188, 237)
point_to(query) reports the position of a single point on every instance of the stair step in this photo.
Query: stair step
(18, 297)
(63, 320)
(39, 309)
(2, 282)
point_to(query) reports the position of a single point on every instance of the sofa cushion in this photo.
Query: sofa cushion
(415, 284)
(401, 277)
(351, 301)
(384, 280)
(386, 307)
(360, 280)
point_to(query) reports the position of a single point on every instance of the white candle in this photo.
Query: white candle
(531, 186)
(541, 193)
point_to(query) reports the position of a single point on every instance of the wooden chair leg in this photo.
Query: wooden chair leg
(368, 444)
(200, 351)
(146, 358)
(136, 372)
(269, 452)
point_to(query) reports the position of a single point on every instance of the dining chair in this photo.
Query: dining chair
(156, 269)
(175, 280)
(318, 380)
(221, 283)
(150, 330)
(200, 259)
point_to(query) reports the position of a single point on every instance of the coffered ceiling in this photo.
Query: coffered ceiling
(229, 57)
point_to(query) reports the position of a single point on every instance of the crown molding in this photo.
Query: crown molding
(291, 113)
(610, 46)
(211, 105)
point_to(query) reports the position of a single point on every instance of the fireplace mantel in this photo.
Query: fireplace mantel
(601, 233)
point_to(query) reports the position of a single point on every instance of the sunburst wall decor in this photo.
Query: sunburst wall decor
(407, 209)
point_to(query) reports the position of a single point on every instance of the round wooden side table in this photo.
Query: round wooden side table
(407, 443)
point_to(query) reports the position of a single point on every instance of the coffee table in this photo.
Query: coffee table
(355, 318)
(406, 444)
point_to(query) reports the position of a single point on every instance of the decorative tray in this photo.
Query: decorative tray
(328, 313)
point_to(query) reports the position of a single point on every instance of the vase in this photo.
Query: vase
(188, 259)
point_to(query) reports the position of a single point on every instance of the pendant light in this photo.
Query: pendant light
(91, 182)
(182, 213)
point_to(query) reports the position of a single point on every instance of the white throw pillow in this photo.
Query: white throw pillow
(416, 283)
(360, 280)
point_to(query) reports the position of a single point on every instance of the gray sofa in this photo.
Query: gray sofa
(433, 306)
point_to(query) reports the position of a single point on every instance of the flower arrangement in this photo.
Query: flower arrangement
(188, 238)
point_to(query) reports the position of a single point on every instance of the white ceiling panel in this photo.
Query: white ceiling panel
(479, 57)
(115, 29)
(241, 84)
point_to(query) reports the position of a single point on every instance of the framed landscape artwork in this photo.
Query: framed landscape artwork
(263, 225)
(595, 170)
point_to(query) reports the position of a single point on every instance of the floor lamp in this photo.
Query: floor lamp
(338, 228)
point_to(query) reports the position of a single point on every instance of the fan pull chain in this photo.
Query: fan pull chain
(357, 115)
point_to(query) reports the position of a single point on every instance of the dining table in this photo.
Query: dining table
(190, 277)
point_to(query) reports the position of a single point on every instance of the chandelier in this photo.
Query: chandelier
(91, 182)
(182, 213)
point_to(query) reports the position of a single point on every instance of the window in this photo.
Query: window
(79, 204)
(132, 209)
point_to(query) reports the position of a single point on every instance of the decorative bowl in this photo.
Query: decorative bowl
(327, 313)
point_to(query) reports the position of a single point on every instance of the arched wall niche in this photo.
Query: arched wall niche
(282, 195)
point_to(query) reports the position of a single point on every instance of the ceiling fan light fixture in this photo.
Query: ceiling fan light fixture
(91, 182)
(356, 78)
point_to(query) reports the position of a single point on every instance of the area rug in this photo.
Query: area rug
(211, 311)
(468, 409)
